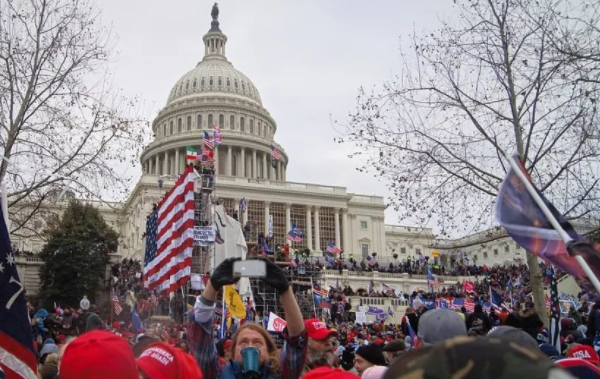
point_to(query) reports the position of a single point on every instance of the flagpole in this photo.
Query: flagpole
(312, 288)
(555, 224)
(4, 203)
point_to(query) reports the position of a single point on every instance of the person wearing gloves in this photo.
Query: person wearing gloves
(254, 354)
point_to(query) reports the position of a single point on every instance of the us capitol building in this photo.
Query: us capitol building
(216, 93)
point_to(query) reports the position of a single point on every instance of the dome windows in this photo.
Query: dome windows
(187, 85)
(243, 87)
(251, 126)
(202, 83)
(220, 81)
(179, 125)
(210, 121)
(232, 122)
(242, 125)
(189, 123)
(211, 81)
(199, 122)
(228, 82)
(221, 121)
(235, 83)
(170, 127)
(195, 82)
(164, 129)
(259, 129)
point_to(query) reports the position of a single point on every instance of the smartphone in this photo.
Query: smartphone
(250, 269)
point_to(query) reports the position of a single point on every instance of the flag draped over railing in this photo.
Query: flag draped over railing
(169, 258)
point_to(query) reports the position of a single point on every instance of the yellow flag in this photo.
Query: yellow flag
(234, 303)
(229, 319)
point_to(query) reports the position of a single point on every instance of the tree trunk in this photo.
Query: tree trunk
(537, 288)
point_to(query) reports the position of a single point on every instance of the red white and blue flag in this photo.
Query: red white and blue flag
(208, 142)
(295, 234)
(217, 135)
(331, 248)
(17, 357)
(171, 266)
(275, 153)
(317, 290)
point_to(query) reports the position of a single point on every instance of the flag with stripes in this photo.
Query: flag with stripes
(170, 268)
(431, 279)
(295, 234)
(275, 153)
(469, 306)
(18, 358)
(554, 312)
(151, 229)
(217, 135)
(117, 305)
(191, 154)
(208, 142)
(331, 248)
(548, 302)
(207, 159)
(317, 290)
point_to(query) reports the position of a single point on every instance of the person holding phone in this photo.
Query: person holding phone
(254, 354)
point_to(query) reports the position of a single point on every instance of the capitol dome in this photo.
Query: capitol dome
(214, 75)
(214, 96)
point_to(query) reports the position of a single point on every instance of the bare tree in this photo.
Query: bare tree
(62, 127)
(492, 82)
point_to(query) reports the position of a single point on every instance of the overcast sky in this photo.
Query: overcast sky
(307, 58)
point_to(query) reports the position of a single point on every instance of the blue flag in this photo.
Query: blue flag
(15, 329)
(136, 322)
(495, 298)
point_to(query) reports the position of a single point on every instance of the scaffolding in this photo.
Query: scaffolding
(203, 256)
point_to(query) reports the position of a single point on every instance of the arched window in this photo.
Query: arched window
(228, 82)
(171, 127)
(251, 126)
(199, 122)
(244, 86)
(259, 128)
(164, 129)
(235, 83)
(195, 82)
(202, 82)
(189, 123)
(187, 85)
(220, 81)
(210, 121)
(221, 121)
(242, 125)
(211, 81)
(179, 125)
(232, 122)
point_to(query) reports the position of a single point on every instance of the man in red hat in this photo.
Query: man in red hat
(163, 361)
(584, 352)
(320, 349)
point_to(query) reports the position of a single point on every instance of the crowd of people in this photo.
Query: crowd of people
(77, 343)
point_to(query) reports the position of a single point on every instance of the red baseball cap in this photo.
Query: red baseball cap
(329, 373)
(162, 361)
(97, 355)
(584, 352)
(317, 330)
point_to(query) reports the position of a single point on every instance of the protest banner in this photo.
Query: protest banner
(204, 235)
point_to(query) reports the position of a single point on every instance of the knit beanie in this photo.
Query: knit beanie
(372, 353)
(98, 355)
(374, 372)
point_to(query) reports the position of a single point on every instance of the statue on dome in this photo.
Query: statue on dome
(215, 12)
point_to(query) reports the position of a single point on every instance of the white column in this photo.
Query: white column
(283, 168)
(166, 164)
(309, 233)
(288, 220)
(267, 211)
(157, 165)
(278, 169)
(177, 168)
(317, 231)
(354, 248)
(382, 234)
(376, 247)
(265, 167)
(229, 161)
(242, 172)
(254, 174)
(345, 236)
(336, 223)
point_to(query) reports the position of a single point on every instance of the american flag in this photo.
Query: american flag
(431, 280)
(18, 358)
(331, 248)
(295, 235)
(385, 288)
(208, 142)
(117, 305)
(151, 229)
(171, 266)
(217, 135)
(275, 154)
(207, 158)
(470, 306)
(317, 290)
